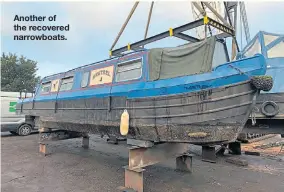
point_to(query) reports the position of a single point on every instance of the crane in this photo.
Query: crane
(221, 24)
(200, 13)
(226, 13)
(244, 20)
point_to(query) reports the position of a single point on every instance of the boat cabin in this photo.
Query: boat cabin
(111, 77)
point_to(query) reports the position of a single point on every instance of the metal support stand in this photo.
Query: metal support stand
(209, 154)
(184, 163)
(134, 179)
(235, 148)
(85, 142)
(221, 150)
(140, 157)
(42, 145)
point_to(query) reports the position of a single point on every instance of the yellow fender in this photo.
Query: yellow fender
(124, 123)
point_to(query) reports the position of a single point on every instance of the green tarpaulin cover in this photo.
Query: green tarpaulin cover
(194, 58)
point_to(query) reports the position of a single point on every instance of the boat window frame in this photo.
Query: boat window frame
(62, 81)
(43, 84)
(125, 63)
(88, 79)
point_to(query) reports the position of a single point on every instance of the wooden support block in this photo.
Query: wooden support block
(43, 130)
(59, 135)
(252, 153)
(140, 143)
(237, 161)
(43, 149)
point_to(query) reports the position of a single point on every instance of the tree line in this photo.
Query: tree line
(18, 74)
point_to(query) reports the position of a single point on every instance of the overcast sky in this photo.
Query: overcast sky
(94, 26)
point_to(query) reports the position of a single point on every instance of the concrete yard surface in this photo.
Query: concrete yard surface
(70, 168)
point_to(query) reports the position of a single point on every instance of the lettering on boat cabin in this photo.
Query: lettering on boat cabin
(54, 85)
(101, 76)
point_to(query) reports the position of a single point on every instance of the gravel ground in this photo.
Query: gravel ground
(271, 151)
(99, 169)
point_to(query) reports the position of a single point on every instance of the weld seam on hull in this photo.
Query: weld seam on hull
(151, 107)
(196, 113)
(198, 102)
(216, 119)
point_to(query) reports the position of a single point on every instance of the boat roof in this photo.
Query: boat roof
(113, 58)
(91, 64)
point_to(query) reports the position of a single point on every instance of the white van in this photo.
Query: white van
(10, 121)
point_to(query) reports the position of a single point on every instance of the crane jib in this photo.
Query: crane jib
(221, 27)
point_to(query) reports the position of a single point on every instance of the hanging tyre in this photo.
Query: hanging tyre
(262, 82)
(270, 108)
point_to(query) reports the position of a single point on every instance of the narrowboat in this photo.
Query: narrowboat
(188, 94)
(269, 105)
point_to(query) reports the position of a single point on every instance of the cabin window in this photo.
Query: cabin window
(85, 79)
(129, 70)
(66, 84)
(45, 87)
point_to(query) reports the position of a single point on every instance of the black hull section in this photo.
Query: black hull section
(210, 116)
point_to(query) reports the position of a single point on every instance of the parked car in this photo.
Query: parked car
(10, 121)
